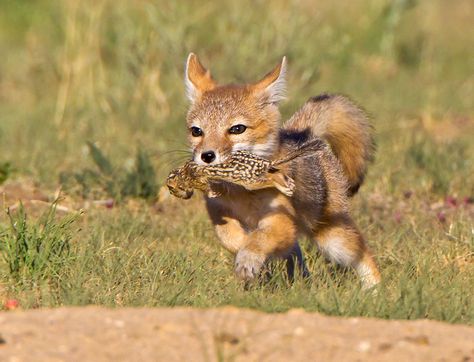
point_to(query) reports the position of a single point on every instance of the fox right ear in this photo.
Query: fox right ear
(272, 87)
(196, 78)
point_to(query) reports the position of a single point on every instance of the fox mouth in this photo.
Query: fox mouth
(265, 150)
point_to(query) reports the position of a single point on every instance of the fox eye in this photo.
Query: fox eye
(237, 129)
(196, 131)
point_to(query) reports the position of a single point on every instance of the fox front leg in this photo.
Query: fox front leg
(248, 264)
(274, 236)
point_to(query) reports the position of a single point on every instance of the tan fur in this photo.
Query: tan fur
(198, 79)
(259, 225)
(345, 127)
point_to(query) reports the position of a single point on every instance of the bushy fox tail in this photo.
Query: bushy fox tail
(344, 126)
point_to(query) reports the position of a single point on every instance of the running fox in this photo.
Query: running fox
(262, 224)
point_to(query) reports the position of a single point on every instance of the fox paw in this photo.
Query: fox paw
(248, 264)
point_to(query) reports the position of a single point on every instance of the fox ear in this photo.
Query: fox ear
(196, 78)
(272, 87)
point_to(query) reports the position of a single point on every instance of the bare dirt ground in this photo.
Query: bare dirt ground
(185, 334)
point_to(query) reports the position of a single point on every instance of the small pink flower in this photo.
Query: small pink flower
(441, 216)
(451, 201)
(11, 304)
(397, 216)
(109, 203)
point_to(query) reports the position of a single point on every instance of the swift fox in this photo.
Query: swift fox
(262, 224)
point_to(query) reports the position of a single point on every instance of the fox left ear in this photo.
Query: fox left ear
(197, 78)
(272, 87)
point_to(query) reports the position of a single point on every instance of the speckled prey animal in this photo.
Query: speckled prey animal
(243, 168)
(259, 225)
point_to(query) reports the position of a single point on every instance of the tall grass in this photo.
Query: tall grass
(35, 251)
(116, 182)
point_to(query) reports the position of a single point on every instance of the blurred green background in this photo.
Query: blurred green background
(111, 71)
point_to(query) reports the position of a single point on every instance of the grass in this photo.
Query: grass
(91, 98)
(37, 251)
(116, 182)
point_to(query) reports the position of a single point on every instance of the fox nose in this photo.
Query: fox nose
(208, 156)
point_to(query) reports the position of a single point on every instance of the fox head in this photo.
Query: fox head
(226, 118)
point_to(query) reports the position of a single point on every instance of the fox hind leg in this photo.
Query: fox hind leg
(342, 243)
(296, 256)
